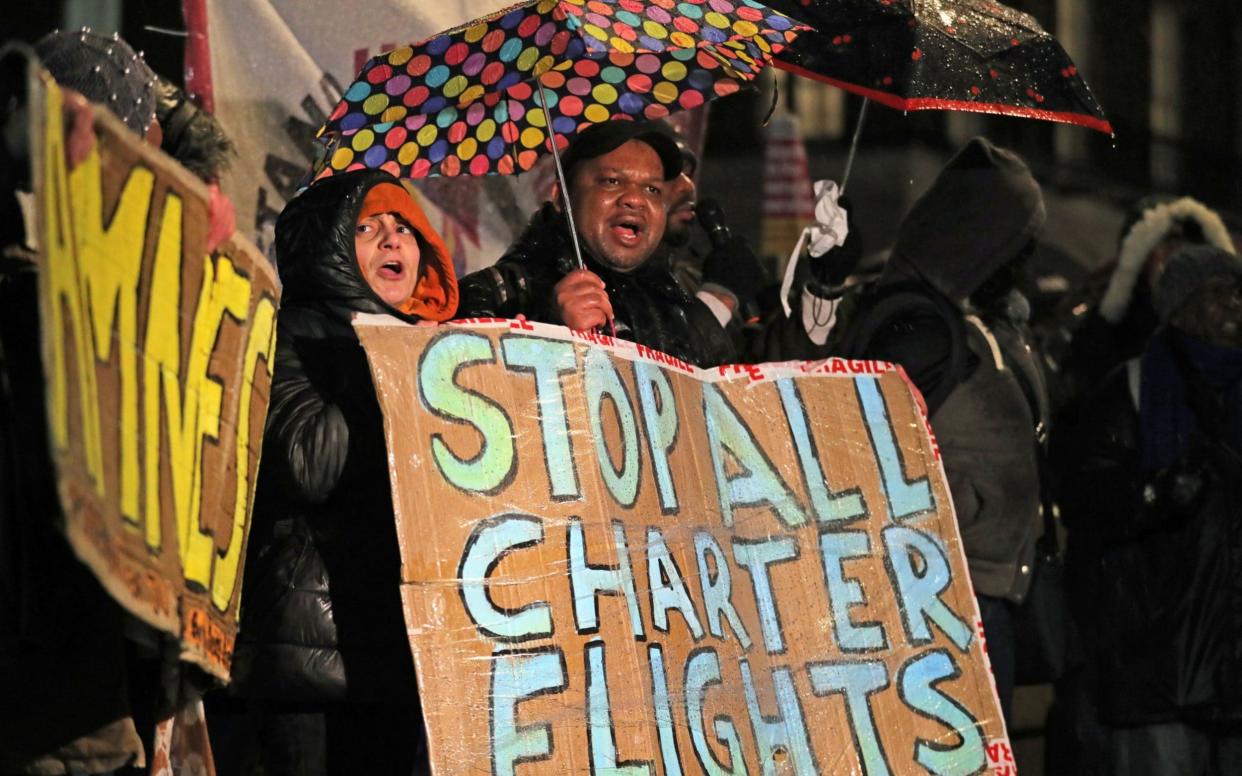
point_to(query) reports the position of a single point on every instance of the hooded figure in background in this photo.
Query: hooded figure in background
(1152, 499)
(948, 310)
(1118, 317)
(322, 656)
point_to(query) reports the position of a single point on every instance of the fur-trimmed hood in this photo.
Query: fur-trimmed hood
(1155, 224)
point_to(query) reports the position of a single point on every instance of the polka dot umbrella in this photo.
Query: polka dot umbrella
(470, 101)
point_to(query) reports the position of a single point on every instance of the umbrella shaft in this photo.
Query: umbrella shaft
(560, 172)
(849, 160)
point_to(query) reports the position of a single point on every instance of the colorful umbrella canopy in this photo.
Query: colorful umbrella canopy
(467, 102)
(965, 55)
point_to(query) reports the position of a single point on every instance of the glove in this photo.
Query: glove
(1176, 492)
(734, 266)
(831, 269)
(221, 219)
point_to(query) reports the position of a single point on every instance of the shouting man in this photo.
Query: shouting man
(618, 173)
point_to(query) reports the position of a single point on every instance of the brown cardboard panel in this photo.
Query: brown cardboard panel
(614, 562)
(157, 357)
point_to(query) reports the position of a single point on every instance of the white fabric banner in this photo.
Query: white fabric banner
(278, 67)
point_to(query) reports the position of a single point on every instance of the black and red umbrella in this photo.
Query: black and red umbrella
(962, 55)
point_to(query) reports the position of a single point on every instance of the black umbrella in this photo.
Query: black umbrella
(964, 55)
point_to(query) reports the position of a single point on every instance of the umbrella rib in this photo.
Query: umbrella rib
(512, 147)
(935, 103)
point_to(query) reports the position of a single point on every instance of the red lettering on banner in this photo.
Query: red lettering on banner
(477, 321)
(593, 337)
(660, 357)
(1000, 759)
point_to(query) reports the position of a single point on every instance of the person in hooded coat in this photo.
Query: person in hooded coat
(1118, 317)
(947, 309)
(1155, 488)
(322, 654)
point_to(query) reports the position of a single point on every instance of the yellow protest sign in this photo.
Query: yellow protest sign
(614, 562)
(157, 359)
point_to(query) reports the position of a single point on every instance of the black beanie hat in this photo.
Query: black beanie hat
(1188, 270)
(103, 70)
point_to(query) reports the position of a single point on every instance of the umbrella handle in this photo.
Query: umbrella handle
(560, 172)
(849, 160)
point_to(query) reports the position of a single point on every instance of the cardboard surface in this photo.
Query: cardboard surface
(616, 563)
(157, 364)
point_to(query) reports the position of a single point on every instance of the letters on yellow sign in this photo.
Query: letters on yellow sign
(95, 275)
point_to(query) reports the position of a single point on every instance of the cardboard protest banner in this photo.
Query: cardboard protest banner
(614, 562)
(157, 359)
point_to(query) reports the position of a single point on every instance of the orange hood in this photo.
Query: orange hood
(435, 293)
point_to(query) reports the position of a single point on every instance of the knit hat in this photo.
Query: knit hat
(103, 70)
(1187, 271)
(1157, 218)
(435, 294)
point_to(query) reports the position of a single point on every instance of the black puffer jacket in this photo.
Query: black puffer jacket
(62, 648)
(321, 612)
(1158, 556)
(650, 306)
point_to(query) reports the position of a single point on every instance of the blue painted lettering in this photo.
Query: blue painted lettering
(490, 541)
(758, 483)
(916, 683)
(905, 498)
(548, 360)
(920, 573)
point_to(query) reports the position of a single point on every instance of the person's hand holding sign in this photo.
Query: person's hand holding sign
(581, 301)
(79, 118)
(222, 220)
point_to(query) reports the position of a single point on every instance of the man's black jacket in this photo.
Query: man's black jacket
(651, 308)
